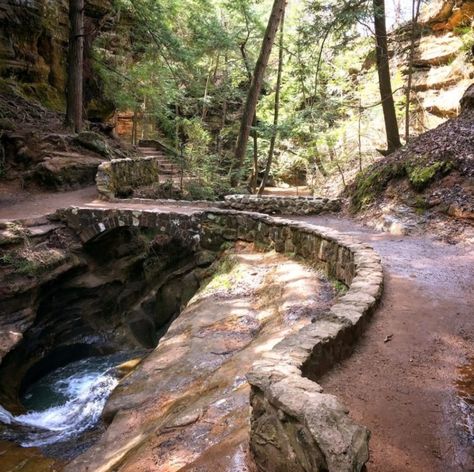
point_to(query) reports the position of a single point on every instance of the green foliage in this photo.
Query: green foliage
(185, 66)
(467, 36)
(29, 262)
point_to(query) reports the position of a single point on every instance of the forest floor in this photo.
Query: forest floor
(405, 379)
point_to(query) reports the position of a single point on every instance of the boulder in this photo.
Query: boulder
(66, 171)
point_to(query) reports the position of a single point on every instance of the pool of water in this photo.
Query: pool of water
(64, 403)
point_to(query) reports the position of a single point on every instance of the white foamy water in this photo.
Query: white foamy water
(64, 403)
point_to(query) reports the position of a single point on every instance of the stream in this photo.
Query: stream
(64, 403)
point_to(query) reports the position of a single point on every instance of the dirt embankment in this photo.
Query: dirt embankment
(428, 184)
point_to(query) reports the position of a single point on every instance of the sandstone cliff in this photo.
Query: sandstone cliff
(443, 62)
(33, 46)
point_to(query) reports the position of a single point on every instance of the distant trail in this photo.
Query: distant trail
(403, 389)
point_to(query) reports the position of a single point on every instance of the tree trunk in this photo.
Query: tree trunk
(255, 87)
(74, 92)
(415, 11)
(277, 108)
(383, 69)
(254, 182)
(319, 163)
(134, 127)
(224, 113)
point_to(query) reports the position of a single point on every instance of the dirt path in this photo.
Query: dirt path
(16, 203)
(404, 389)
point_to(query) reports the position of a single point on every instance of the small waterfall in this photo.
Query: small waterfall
(65, 403)
(5, 416)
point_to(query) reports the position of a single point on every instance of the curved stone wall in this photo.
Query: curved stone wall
(295, 426)
(277, 205)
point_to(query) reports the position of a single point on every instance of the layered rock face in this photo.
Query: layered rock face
(33, 46)
(61, 301)
(443, 62)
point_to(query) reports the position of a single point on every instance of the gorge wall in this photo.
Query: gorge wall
(61, 300)
(33, 50)
(443, 62)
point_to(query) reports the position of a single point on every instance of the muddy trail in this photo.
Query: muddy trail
(410, 379)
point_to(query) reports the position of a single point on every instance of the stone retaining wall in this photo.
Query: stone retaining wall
(269, 204)
(282, 205)
(121, 175)
(295, 426)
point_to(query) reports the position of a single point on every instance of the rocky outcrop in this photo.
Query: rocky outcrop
(33, 46)
(295, 426)
(443, 62)
(445, 15)
(60, 300)
(36, 148)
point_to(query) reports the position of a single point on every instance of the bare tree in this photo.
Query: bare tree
(385, 85)
(255, 86)
(74, 92)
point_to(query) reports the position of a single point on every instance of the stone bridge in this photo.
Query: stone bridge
(295, 426)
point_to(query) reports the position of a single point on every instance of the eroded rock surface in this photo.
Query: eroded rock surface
(188, 401)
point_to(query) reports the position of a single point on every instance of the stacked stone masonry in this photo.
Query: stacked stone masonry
(276, 205)
(295, 426)
(120, 175)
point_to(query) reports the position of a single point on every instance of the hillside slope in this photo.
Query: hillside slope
(430, 181)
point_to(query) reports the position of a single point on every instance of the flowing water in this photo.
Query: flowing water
(64, 403)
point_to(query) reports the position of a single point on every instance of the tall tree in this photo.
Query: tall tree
(415, 12)
(74, 92)
(255, 86)
(385, 85)
(276, 112)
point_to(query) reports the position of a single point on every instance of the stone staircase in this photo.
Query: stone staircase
(168, 170)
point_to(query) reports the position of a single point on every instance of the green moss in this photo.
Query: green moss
(421, 176)
(371, 182)
(94, 142)
(227, 274)
(27, 260)
(340, 287)
(48, 96)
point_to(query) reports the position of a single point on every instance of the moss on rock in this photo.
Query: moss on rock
(94, 142)
(372, 182)
(420, 176)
